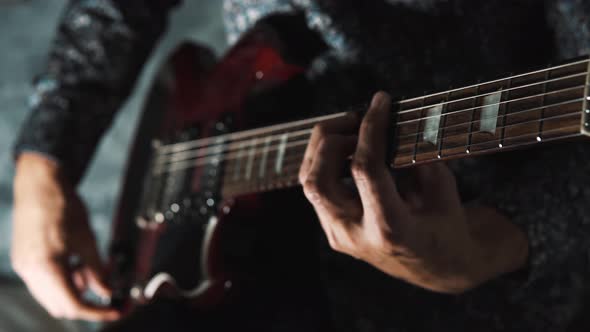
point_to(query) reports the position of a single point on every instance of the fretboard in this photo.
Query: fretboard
(514, 112)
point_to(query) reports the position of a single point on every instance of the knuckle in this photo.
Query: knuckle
(334, 243)
(313, 188)
(363, 168)
(302, 175)
(303, 171)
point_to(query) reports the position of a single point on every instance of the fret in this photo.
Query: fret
(415, 152)
(488, 118)
(543, 104)
(443, 123)
(432, 124)
(281, 153)
(238, 163)
(505, 110)
(262, 169)
(472, 120)
(250, 161)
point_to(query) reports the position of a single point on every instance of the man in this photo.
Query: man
(515, 250)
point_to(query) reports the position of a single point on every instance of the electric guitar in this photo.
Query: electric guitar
(199, 210)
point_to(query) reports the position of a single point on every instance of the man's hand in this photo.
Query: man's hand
(423, 235)
(50, 231)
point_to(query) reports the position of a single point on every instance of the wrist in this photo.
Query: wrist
(31, 165)
(38, 175)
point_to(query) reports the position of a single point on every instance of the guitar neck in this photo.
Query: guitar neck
(514, 112)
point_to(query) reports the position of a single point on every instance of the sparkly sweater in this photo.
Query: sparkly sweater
(412, 46)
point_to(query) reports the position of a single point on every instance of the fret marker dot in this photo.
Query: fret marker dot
(438, 156)
(538, 138)
(413, 161)
(587, 111)
(500, 145)
(259, 74)
(467, 151)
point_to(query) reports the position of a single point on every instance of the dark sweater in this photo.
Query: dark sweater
(412, 46)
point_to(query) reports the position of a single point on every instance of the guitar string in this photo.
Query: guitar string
(231, 136)
(281, 177)
(237, 145)
(194, 163)
(479, 84)
(257, 131)
(520, 87)
(208, 160)
(162, 160)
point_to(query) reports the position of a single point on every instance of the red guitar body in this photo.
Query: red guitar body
(177, 236)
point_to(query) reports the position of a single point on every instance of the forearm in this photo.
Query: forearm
(93, 63)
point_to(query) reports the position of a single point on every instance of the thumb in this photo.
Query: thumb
(437, 186)
(95, 270)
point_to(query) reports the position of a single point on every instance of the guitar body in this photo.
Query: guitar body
(176, 234)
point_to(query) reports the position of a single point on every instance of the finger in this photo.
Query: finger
(97, 284)
(79, 280)
(97, 314)
(95, 271)
(437, 186)
(370, 172)
(344, 125)
(55, 291)
(73, 307)
(323, 186)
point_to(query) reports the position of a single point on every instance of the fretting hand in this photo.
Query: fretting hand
(426, 236)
